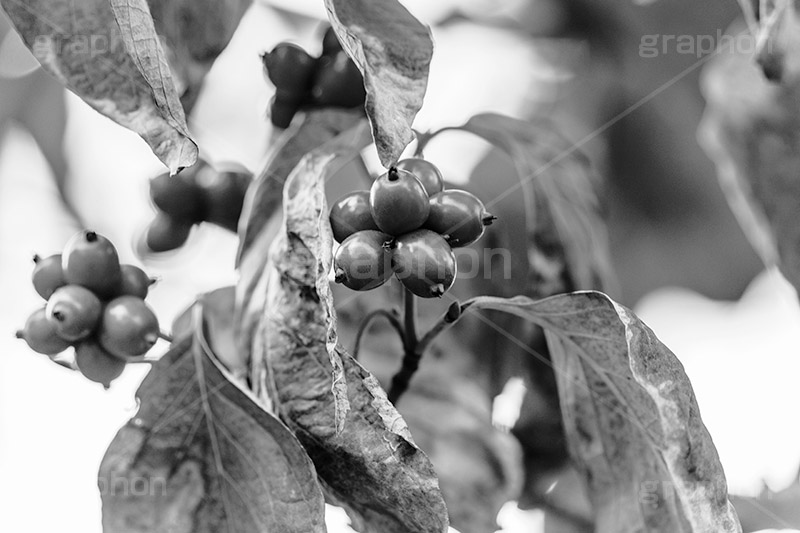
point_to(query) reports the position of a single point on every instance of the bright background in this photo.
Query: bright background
(742, 356)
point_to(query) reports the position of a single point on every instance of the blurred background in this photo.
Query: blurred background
(682, 261)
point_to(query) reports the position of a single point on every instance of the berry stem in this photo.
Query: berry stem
(165, 336)
(411, 347)
(391, 316)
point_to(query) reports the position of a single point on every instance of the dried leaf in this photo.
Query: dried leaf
(201, 456)
(751, 129)
(251, 289)
(196, 33)
(81, 44)
(567, 240)
(393, 50)
(631, 417)
(367, 460)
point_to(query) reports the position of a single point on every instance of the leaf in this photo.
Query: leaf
(366, 459)
(196, 32)
(264, 197)
(631, 417)
(751, 130)
(79, 44)
(567, 243)
(218, 308)
(323, 129)
(479, 468)
(201, 456)
(393, 50)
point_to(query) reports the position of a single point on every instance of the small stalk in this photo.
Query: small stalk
(411, 348)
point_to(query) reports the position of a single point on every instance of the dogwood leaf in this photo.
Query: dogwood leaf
(630, 415)
(118, 69)
(393, 50)
(201, 455)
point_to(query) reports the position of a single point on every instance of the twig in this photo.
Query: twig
(390, 316)
(412, 354)
(165, 336)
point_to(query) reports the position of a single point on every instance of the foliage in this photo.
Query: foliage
(258, 414)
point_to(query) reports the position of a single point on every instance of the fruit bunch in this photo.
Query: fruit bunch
(199, 194)
(406, 225)
(303, 81)
(94, 304)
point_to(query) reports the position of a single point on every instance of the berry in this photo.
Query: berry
(224, 193)
(47, 275)
(165, 234)
(459, 215)
(290, 69)
(178, 196)
(281, 112)
(338, 82)
(426, 172)
(424, 263)
(97, 364)
(90, 260)
(362, 262)
(41, 336)
(330, 43)
(350, 214)
(128, 328)
(398, 202)
(135, 282)
(74, 312)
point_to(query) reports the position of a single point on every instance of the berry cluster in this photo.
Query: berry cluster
(199, 194)
(94, 304)
(303, 81)
(406, 225)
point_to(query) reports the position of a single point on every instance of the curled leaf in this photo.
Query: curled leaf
(82, 45)
(631, 417)
(751, 130)
(365, 456)
(393, 50)
(202, 456)
(260, 225)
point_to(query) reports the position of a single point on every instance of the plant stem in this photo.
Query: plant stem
(411, 348)
(165, 336)
(390, 316)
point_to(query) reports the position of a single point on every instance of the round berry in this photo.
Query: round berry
(178, 196)
(362, 262)
(350, 214)
(164, 233)
(128, 328)
(398, 202)
(90, 260)
(424, 263)
(459, 215)
(338, 82)
(135, 282)
(290, 69)
(74, 311)
(96, 364)
(330, 43)
(426, 172)
(224, 194)
(47, 275)
(41, 336)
